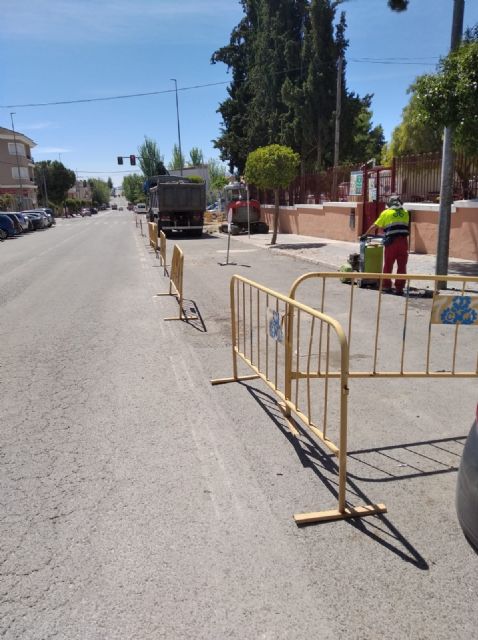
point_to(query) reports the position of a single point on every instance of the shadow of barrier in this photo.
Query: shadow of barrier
(162, 252)
(176, 284)
(153, 237)
(270, 334)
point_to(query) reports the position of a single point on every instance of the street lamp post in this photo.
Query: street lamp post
(12, 113)
(179, 130)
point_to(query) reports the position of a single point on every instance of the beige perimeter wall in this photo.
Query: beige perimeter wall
(343, 221)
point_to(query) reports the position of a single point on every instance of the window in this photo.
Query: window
(20, 149)
(23, 173)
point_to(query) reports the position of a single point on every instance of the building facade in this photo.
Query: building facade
(80, 191)
(17, 176)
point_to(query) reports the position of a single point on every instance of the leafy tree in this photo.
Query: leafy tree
(133, 188)
(234, 110)
(196, 157)
(196, 179)
(217, 178)
(100, 191)
(7, 202)
(74, 205)
(110, 183)
(283, 57)
(217, 175)
(177, 160)
(57, 177)
(272, 167)
(150, 159)
(448, 98)
(413, 135)
(276, 58)
(360, 140)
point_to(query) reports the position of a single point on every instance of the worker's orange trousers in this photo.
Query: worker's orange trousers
(397, 252)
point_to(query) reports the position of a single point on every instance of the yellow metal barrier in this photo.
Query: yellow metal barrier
(162, 251)
(390, 349)
(153, 237)
(176, 283)
(271, 334)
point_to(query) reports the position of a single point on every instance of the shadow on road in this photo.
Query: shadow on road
(197, 322)
(299, 245)
(379, 527)
(463, 268)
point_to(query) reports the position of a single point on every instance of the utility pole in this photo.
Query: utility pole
(12, 113)
(44, 186)
(338, 108)
(448, 168)
(179, 130)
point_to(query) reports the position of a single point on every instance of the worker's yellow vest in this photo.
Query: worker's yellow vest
(394, 222)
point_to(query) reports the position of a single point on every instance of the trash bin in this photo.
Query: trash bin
(371, 259)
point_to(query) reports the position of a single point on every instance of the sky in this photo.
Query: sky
(67, 50)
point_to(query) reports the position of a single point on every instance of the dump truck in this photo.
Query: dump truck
(243, 214)
(176, 204)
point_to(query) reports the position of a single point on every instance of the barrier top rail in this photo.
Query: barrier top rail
(380, 340)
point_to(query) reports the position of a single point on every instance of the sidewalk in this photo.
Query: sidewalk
(331, 254)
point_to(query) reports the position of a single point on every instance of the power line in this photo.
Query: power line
(122, 97)
(395, 61)
(388, 61)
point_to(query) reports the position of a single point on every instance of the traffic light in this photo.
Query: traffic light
(120, 160)
(132, 160)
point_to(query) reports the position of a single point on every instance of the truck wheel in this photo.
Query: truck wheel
(235, 230)
(223, 227)
(195, 233)
(262, 227)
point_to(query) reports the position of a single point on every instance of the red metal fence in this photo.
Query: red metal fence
(417, 179)
(311, 189)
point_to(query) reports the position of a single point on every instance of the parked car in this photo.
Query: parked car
(467, 486)
(85, 212)
(24, 221)
(49, 213)
(93, 210)
(7, 230)
(16, 222)
(37, 219)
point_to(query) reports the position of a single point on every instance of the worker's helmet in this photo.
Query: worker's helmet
(394, 202)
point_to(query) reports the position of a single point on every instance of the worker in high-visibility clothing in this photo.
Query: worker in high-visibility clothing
(395, 222)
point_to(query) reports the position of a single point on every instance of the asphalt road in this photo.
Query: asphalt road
(139, 501)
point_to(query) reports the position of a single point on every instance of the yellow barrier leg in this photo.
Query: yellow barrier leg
(335, 514)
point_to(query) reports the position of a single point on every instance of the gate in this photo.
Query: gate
(378, 183)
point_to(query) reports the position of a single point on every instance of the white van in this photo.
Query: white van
(140, 208)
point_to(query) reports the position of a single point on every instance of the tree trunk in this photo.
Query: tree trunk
(276, 216)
